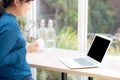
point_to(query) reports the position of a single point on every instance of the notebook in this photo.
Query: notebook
(95, 55)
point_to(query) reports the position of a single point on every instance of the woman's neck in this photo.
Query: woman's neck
(11, 10)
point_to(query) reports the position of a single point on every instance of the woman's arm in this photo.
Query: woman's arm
(8, 39)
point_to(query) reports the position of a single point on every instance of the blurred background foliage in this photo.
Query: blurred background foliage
(101, 18)
(67, 39)
(65, 13)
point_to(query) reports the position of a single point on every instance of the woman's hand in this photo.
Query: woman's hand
(32, 47)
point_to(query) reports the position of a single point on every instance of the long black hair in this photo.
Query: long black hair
(6, 3)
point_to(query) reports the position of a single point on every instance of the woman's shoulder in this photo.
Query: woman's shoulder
(7, 21)
(6, 18)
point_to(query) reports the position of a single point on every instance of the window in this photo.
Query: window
(94, 16)
(64, 13)
(65, 16)
(103, 17)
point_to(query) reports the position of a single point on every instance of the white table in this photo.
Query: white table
(49, 60)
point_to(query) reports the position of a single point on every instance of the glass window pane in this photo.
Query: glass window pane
(65, 16)
(104, 18)
(64, 13)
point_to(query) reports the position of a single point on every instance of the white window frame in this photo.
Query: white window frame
(82, 25)
(31, 15)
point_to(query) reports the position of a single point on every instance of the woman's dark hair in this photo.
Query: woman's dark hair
(6, 3)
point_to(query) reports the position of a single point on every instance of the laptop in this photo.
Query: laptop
(95, 55)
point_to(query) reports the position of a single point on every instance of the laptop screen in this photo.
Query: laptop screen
(98, 48)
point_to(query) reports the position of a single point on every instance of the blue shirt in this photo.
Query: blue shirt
(13, 64)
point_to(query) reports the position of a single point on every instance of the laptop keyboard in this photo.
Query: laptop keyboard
(83, 61)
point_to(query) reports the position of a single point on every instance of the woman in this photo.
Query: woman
(13, 64)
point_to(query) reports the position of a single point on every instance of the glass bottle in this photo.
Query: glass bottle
(51, 36)
(42, 33)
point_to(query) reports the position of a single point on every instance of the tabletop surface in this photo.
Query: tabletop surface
(49, 60)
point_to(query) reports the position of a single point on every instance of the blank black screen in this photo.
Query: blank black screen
(98, 48)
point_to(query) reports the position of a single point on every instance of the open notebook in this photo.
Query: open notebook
(95, 55)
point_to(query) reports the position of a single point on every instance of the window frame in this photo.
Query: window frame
(82, 25)
(31, 15)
